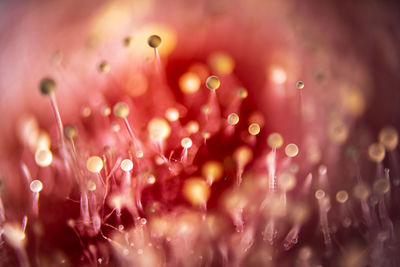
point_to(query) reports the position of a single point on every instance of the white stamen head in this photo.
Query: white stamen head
(43, 157)
(94, 164)
(126, 165)
(186, 142)
(36, 186)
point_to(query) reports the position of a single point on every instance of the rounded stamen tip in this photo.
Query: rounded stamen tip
(154, 41)
(47, 86)
(254, 129)
(275, 140)
(70, 131)
(94, 164)
(233, 119)
(121, 110)
(213, 83)
(104, 67)
(300, 85)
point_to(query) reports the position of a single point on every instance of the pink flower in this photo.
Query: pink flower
(199, 133)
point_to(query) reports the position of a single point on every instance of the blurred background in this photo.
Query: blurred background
(345, 52)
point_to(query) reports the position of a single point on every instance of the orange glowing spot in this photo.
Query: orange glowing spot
(353, 101)
(278, 75)
(172, 114)
(234, 200)
(221, 63)
(192, 127)
(159, 226)
(118, 13)
(305, 253)
(362, 191)
(105, 111)
(151, 179)
(115, 201)
(389, 137)
(206, 135)
(243, 155)
(196, 191)
(158, 129)
(213, 83)
(43, 141)
(139, 154)
(286, 181)
(376, 152)
(189, 83)
(115, 127)
(242, 93)
(43, 157)
(14, 235)
(212, 171)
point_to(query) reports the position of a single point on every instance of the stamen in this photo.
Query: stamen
(389, 137)
(36, 186)
(196, 191)
(242, 156)
(128, 41)
(233, 119)
(43, 158)
(48, 87)
(127, 166)
(159, 130)
(324, 206)
(213, 83)
(189, 83)
(254, 129)
(71, 132)
(376, 153)
(186, 143)
(121, 110)
(212, 171)
(275, 141)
